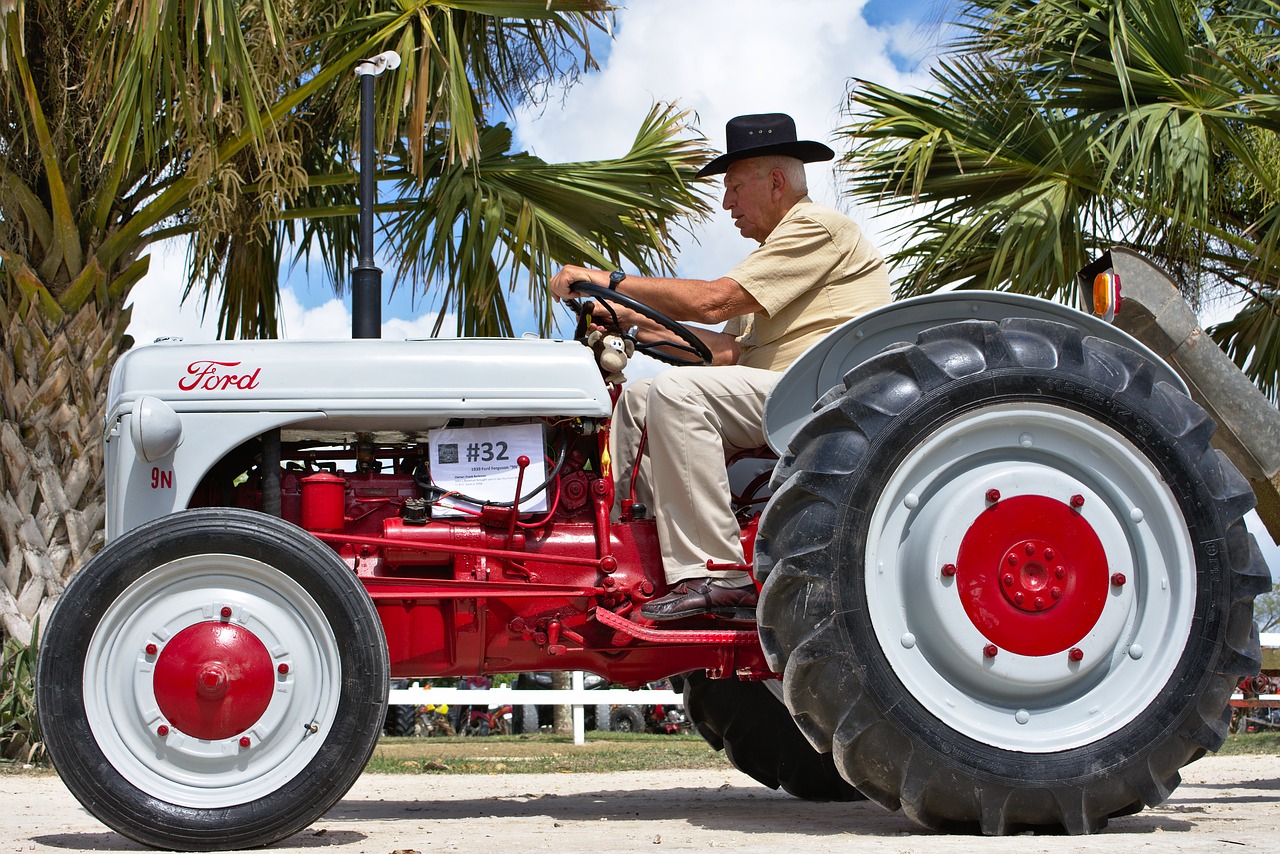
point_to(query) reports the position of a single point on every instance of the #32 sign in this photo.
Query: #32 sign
(480, 463)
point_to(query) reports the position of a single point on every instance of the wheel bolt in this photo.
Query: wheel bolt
(1039, 603)
(162, 730)
(1018, 597)
(1013, 560)
(1048, 554)
(1060, 571)
(949, 569)
(152, 649)
(1030, 549)
(1118, 579)
(244, 741)
(283, 668)
(1076, 654)
(990, 650)
(993, 495)
(1077, 501)
(1056, 592)
(1008, 580)
(226, 612)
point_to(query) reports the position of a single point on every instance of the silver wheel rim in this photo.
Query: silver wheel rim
(120, 698)
(1033, 703)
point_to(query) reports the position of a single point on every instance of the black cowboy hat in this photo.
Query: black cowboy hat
(763, 135)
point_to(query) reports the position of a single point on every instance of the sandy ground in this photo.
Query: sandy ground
(1224, 804)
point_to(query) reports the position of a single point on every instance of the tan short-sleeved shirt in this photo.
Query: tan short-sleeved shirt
(811, 274)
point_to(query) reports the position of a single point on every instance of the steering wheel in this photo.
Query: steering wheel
(697, 350)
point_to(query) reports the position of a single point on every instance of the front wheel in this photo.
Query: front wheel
(213, 679)
(1006, 579)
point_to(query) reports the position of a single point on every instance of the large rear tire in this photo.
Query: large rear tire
(1006, 579)
(759, 738)
(214, 679)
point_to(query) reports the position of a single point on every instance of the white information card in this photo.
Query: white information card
(480, 462)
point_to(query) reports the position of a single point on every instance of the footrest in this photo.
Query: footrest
(649, 634)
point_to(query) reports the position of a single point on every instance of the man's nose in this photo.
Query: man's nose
(725, 203)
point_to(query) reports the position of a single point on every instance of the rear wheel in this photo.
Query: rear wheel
(213, 679)
(751, 725)
(1006, 579)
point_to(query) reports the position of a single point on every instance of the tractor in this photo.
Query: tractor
(1005, 584)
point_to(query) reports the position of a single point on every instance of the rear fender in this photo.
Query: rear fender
(824, 364)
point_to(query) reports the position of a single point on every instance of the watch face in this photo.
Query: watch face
(615, 278)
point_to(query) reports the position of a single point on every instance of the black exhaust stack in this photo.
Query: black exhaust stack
(366, 278)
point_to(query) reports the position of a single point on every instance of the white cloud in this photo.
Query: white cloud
(158, 310)
(722, 58)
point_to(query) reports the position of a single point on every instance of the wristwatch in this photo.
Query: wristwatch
(615, 279)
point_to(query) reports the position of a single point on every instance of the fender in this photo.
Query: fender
(824, 364)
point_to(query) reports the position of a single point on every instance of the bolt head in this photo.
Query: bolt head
(1060, 572)
(1018, 597)
(1030, 549)
(1013, 560)
(990, 650)
(226, 612)
(949, 569)
(993, 495)
(1118, 579)
(1076, 654)
(1008, 580)
(152, 649)
(1055, 592)
(244, 741)
(1038, 602)
(1077, 501)
(1048, 554)
(283, 668)
(162, 730)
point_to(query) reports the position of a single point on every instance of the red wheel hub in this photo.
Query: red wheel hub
(213, 680)
(1032, 575)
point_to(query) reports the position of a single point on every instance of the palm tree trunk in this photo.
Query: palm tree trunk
(53, 388)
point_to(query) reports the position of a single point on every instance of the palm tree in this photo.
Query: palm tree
(1056, 128)
(231, 123)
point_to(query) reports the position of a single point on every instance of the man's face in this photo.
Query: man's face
(749, 199)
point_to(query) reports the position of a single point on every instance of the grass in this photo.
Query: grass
(543, 754)
(1251, 744)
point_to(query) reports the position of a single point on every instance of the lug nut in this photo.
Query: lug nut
(1039, 603)
(244, 741)
(226, 612)
(162, 730)
(1018, 597)
(1048, 554)
(152, 649)
(993, 495)
(1118, 579)
(1008, 580)
(1060, 572)
(990, 650)
(1030, 549)
(283, 668)
(1055, 592)
(1077, 501)
(949, 569)
(1076, 654)
(1013, 560)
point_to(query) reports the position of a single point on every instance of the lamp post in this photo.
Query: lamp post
(366, 278)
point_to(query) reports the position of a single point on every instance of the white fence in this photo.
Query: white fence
(576, 696)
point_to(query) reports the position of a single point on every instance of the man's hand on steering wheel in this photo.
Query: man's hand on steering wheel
(664, 339)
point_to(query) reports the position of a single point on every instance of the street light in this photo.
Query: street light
(366, 278)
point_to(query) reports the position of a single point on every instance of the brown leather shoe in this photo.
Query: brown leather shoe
(699, 596)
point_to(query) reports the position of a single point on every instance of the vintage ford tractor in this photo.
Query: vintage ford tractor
(1005, 584)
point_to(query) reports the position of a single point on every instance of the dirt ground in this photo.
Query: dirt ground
(1225, 803)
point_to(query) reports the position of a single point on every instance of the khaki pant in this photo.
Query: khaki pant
(697, 418)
